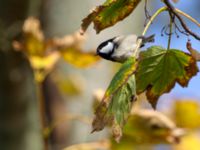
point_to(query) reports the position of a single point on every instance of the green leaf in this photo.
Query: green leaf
(160, 69)
(126, 70)
(109, 13)
(116, 104)
(122, 100)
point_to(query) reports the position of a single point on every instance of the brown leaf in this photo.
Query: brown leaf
(195, 54)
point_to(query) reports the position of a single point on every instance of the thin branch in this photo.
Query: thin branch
(148, 16)
(173, 10)
(42, 113)
(188, 16)
(181, 31)
(170, 30)
(139, 42)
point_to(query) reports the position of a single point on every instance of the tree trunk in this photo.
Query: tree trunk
(19, 118)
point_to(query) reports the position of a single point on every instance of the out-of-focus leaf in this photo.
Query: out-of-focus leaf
(41, 51)
(109, 13)
(191, 116)
(70, 84)
(160, 69)
(102, 145)
(79, 58)
(190, 141)
(116, 104)
(33, 37)
(146, 126)
(43, 64)
(75, 40)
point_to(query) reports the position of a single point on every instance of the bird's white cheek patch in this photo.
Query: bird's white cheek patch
(107, 49)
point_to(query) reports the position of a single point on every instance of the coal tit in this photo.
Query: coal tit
(121, 48)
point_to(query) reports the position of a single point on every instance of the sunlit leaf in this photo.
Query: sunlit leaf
(147, 127)
(42, 65)
(116, 104)
(109, 13)
(160, 69)
(190, 141)
(191, 116)
(41, 51)
(79, 58)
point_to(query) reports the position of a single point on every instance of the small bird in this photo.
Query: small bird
(120, 48)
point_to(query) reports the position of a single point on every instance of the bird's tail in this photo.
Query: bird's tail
(147, 39)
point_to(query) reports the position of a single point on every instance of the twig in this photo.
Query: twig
(177, 28)
(42, 113)
(170, 29)
(139, 42)
(148, 16)
(173, 10)
(188, 16)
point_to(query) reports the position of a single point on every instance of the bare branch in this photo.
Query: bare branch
(173, 11)
(148, 16)
(188, 16)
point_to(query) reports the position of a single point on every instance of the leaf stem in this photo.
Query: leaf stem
(152, 19)
(170, 32)
(146, 28)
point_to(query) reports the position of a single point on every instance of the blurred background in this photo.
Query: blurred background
(63, 115)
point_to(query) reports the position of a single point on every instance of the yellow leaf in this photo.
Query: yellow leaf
(79, 58)
(34, 38)
(188, 142)
(186, 113)
(42, 65)
(70, 84)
